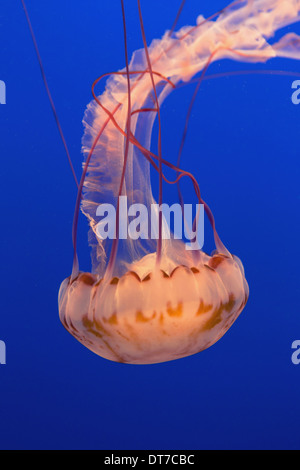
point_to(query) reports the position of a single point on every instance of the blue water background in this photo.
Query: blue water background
(243, 146)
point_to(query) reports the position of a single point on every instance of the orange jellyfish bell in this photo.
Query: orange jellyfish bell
(157, 317)
(151, 300)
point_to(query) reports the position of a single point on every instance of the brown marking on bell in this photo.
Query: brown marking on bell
(195, 270)
(101, 328)
(147, 278)
(217, 314)
(89, 342)
(114, 281)
(89, 326)
(133, 335)
(132, 273)
(209, 267)
(139, 317)
(203, 308)
(86, 322)
(230, 304)
(215, 318)
(97, 324)
(87, 279)
(161, 323)
(174, 312)
(72, 326)
(112, 320)
(118, 357)
(164, 273)
(215, 261)
(65, 324)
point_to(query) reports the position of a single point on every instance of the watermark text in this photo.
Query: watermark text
(2, 92)
(296, 95)
(137, 222)
(2, 352)
(296, 354)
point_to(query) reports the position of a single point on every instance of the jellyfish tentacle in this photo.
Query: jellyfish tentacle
(177, 17)
(114, 249)
(141, 314)
(180, 196)
(220, 246)
(102, 129)
(160, 190)
(143, 110)
(148, 154)
(191, 104)
(236, 73)
(58, 125)
(133, 140)
(239, 28)
(133, 72)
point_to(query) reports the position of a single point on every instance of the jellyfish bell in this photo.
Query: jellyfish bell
(155, 316)
(150, 301)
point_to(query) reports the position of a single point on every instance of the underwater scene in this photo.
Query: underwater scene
(150, 224)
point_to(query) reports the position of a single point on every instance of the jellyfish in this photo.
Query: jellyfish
(150, 300)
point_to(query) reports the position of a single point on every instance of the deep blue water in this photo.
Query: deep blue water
(243, 146)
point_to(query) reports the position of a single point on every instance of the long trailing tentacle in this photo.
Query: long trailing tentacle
(288, 46)
(260, 55)
(49, 94)
(160, 190)
(127, 142)
(177, 17)
(98, 136)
